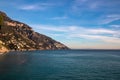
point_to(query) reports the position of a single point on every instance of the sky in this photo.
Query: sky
(79, 24)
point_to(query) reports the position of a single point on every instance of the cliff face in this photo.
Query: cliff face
(16, 35)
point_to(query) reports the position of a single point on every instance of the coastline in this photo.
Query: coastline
(5, 50)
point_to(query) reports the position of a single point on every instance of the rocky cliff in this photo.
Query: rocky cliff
(15, 35)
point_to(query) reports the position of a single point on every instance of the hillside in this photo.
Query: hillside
(15, 35)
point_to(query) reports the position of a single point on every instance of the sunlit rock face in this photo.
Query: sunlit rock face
(19, 36)
(3, 49)
(14, 24)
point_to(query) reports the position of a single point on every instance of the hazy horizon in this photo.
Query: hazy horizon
(79, 24)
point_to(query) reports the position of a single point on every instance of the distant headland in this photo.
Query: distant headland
(15, 35)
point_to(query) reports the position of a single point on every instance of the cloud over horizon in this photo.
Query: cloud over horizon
(101, 34)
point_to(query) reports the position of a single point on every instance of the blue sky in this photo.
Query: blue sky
(79, 24)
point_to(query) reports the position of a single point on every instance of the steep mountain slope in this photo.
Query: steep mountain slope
(16, 35)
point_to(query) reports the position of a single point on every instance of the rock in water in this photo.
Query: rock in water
(16, 35)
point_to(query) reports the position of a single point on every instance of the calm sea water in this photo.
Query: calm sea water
(61, 65)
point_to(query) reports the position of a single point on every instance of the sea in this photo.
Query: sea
(60, 65)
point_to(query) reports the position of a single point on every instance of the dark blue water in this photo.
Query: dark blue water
(61, 65)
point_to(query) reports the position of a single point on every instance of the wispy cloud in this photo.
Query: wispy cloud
(85, 5)
(37, 6)
(100, 34)
(31, 7)
(110, 18)
(98, 37)
(54, 28)
(80, 1)
(59, 18)
(94, 5)
(115, 26)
